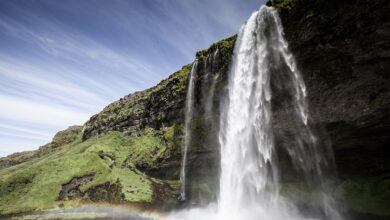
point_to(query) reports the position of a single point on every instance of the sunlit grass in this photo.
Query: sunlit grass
(35, 185)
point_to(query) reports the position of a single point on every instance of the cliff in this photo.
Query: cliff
(130, 152)
(342, 48)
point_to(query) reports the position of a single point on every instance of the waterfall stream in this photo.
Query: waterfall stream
(187, 139)
(250, 178)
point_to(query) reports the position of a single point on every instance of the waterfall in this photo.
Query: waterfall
(247, 160)
(187, 139)
(209, 99)
(250, 178)
(249, 165)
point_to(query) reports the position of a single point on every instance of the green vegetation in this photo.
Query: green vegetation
(62, 216)
(67, 136)
(136, 187)
(224, 46)
(370, 195)
(17, 158)
(147, 148)
(61, 138)
(109, 158)
(366, 195)
(141, 104)
(130, 113)
(285, 4)
(174, 139)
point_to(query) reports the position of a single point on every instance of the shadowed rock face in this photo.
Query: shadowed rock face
(342, 48)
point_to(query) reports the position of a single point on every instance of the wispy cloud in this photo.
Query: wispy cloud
(62, 63)
(20, 109)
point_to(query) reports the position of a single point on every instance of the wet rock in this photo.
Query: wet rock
(342, 48)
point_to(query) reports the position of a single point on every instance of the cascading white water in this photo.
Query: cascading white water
(250, 178)
(187, 139)
(247, 171)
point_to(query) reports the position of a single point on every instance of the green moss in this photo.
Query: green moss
(285, 4)
(140, 104)
(62, 138)
(18, 158)
(35, 185)
(147, 103)
(202, 54)
(224, 46)
(66, 136)
(146, 148)
(366, 195)
(135, 187)
(62, 216)
(174, 139)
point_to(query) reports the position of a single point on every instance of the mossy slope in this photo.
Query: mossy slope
(129, 152)
(36, 184)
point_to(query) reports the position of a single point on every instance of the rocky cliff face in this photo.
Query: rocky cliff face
(343, 51)
(342, 48)
(162, 107)
(157, 107)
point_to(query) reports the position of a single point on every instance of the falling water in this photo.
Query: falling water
(250, 172)
(210, 96)
(187, 138)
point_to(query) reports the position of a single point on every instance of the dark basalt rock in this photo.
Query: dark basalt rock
(109, 192)
(342, 48)
(71, 190)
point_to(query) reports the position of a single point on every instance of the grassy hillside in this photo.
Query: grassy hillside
(98, 169)
(130, 152)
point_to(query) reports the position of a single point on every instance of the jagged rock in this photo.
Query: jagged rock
(342, 48)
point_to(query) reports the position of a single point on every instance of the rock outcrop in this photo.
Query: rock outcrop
(158, 107)
(60, 139)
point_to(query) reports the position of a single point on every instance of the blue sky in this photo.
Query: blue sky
(63, 61)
